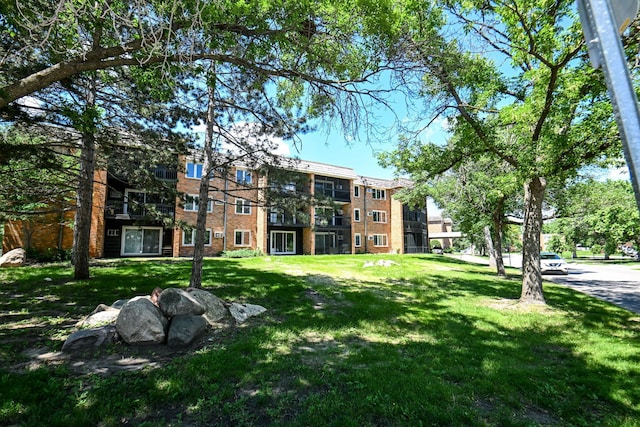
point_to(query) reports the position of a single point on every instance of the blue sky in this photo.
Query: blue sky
(334, 149)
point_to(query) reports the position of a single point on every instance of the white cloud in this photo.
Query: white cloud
(243, 131)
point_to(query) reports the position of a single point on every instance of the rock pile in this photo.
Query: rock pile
(379, 263)
(172, 316)
(13, 258)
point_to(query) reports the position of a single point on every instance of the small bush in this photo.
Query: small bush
(241, 253)
(48, 255)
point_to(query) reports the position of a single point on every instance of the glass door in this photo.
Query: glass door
(283, 242)
(141, 241)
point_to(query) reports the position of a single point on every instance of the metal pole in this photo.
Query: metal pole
(605, 49)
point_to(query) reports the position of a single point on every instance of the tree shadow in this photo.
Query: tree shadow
(396, 350)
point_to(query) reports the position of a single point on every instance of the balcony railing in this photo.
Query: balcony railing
(337, 195)
(339, 221)
(134, 210)
(286, 219)
(166, 174)
(414, 226)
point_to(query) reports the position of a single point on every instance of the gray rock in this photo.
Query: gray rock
(119, 303)
(99, 318)
(379, 263)
(185, 328)
(141, 322)
(13, 258)
(241, 312)
(214, 308)
(90, 338)
(173, 301)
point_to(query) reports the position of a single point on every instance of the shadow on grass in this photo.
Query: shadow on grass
(402, 350)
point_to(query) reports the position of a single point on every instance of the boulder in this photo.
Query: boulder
(119, 303)
(13, 258)
(214, 308)
(141, 322)
(90, 338)
(241, 312)
(185, 328)
(173, 301)
(102, 315)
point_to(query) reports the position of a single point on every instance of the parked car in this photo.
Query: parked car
(437, 250)
(551, 262)
(630, 251)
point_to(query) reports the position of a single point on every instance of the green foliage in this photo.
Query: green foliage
(430, 338)
(600, 213)
(514, 83)
(241, 253)
(48, 255)
(557, 244)
(35, 171)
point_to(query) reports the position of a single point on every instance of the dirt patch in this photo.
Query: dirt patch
(119, 357)
(517, 305)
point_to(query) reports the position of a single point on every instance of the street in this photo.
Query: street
(615, 283)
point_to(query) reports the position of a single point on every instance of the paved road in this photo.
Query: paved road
(615, 283)
(618, 284)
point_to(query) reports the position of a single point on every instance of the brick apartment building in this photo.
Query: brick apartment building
(363, 216)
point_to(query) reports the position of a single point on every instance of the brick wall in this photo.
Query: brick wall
(40, 232)
(242, 222)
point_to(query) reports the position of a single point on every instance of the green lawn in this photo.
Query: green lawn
(428, 341)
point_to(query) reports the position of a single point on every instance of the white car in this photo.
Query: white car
(551, 262)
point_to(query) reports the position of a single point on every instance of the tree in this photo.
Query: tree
(481, 193)
(599, 213)
(302, 58)
(513, 79)
(34, 180)
(478, 193)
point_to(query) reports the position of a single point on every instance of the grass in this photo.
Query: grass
(429, 340)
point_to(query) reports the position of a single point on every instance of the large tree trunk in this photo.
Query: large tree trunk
(488, 240)
(203, 197)
(84, 198)
(532, 292)
(497, 244)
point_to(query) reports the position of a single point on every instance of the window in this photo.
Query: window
(356, 215)
(242, 238)
(243, 207)
(189, 237)
(379, 216)
(378, 194)
(379, 240)
(191, 203)
(243, 176)
(289, 187)
(356, 191)
(194, 170)
(141, 240)
(357, 239)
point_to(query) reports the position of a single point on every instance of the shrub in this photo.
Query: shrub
(241, 253)
(48, 255)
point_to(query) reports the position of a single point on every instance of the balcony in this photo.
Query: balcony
(414, 226)
(285, 219)
(335, 194)
(117, 209)
(335, 221)
(165, 174)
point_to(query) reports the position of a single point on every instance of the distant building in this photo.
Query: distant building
(362, 217)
